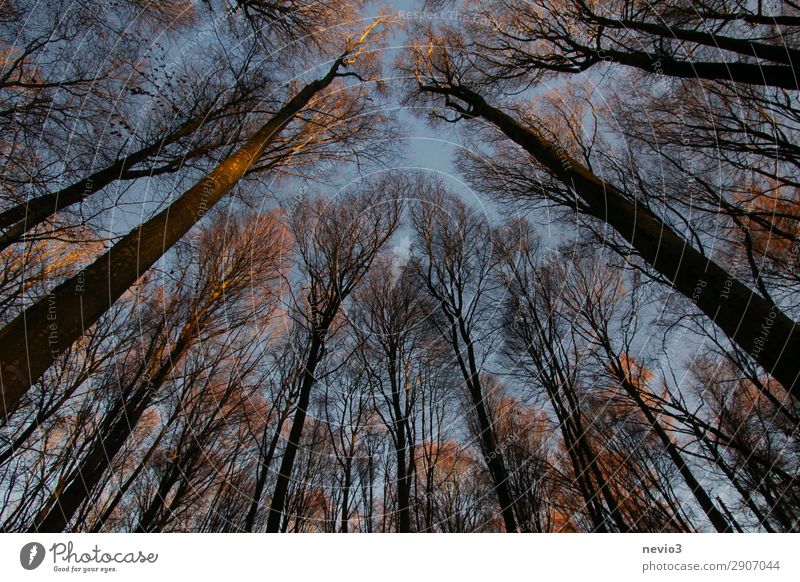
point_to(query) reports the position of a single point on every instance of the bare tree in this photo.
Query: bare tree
(232, 261)
(111, 274)
(455, 266)
(748, 319)
(397, 345)
(517, 39)
(337, 243)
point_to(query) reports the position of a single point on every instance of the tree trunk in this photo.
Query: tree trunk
(152, 517)
(703, 499)
(348, 484)
(295, 434)
(781, 76)
(771, 52)
(403, 492)
(143, 464)
(494, 460)
(263, 471)
(491, 449)
(50, 326)
(758, 327)
(88, 474)
(400, 429)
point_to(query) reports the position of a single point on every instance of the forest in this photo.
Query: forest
(445, 266)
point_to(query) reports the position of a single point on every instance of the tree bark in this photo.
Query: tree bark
(491, 449)
(751, 48)
(400, 429)
(87, 475)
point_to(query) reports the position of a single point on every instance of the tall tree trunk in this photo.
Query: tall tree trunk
(494, 460)
(50, 326)
(744, 491)
(714, 515)
(152, 517)
(347, 486)
(108, 442)
(559, 387)
(591, 482)
(125, 487)
(400, 429)
(264, 463)
(403, 491)
(194, 437)
(753, 323)
(295, 434)
(491, 448)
